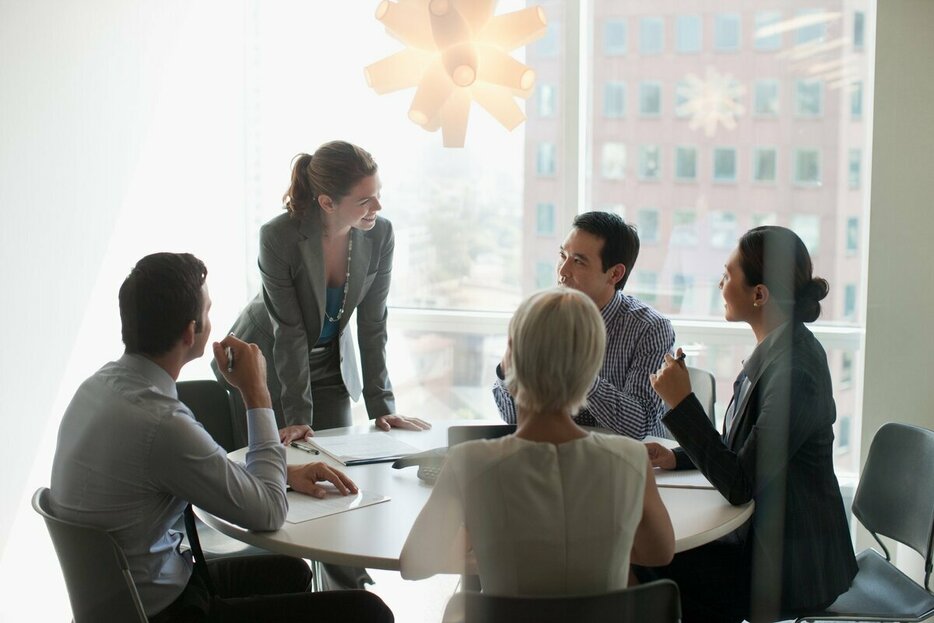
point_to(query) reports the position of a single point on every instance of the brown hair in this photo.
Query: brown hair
(333, 170)
(776, 257)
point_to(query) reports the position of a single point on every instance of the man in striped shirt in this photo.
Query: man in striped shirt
(597, 258)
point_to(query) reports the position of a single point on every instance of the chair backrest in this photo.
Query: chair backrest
(657, 601)
(894, 497)
(96, 572)
(704, 386)
(209, 401)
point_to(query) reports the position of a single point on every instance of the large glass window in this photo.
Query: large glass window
(650, 99)
(724, 164)
(686, 163)
(764, 165)
(807, 167)
(809, 98)
(768, 31)
(765, 94)
(649, 166)
(614, 37)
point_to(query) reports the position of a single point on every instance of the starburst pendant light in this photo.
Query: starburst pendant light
(457, 52)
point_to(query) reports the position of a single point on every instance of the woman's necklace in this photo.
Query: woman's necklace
(346, 282)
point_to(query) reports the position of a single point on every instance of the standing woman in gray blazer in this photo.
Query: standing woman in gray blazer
(328, 256)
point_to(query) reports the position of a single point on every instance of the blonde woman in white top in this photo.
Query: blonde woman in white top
(553, 509)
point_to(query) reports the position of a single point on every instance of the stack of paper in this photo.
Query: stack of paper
(362, 448)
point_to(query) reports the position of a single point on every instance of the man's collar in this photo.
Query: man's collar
(612, 308)
(152, 371)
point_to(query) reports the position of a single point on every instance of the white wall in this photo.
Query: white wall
(900, 305)
(95, 135)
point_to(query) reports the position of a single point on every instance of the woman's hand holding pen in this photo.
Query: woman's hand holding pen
(672, 381)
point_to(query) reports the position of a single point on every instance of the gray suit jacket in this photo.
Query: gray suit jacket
(286, 319)
(779, 452)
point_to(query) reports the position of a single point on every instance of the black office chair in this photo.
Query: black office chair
(210, 403)
(894, 499)
(657, 601)
(704, 386)
(96, 572)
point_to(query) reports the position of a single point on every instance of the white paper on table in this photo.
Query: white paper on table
(684, 479)
(305, 507)
(362, 447)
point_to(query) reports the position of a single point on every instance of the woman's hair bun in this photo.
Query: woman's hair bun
(808, 298)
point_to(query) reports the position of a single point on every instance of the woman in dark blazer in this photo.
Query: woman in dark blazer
(328, 256)
(795, 554)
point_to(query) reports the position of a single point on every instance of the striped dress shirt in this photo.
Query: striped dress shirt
(621, 399)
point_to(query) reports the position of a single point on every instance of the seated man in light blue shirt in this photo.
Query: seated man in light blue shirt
(130, 457)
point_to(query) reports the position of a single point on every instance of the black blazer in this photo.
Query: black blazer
(779, 452)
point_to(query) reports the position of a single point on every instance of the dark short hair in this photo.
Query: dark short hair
(777, 258)
(620, 240)
(160, 296)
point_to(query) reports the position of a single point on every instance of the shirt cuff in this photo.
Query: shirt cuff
(261, 425)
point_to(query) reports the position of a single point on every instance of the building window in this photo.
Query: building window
(651, 35)
(764, 164)
(649, 165)
(852, 235)
(856, 100)
(689, 34)
(807, 226)
(646, 286)
(684, 228)
(614, 100)
(614, 38)
(809, 95)
(545, 160)
(843, 433)
(548, 45)
(849, 301)
(854, 168)
(682, 286)
(726, 32)
(682, 97)
(813, 28)
(546, 100)
(544, 275)
(723, 234)
(686, 163)
(650, 99)
(647, 225)
(765, 100)
(768, 35)
(846, 369)
(545, 219)
(807, 167)
(724, 164)
(766, 218)
(859, 29)
(613, 162)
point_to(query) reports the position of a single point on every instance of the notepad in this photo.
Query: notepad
(361, 448)
(684, 479)
(305, 507)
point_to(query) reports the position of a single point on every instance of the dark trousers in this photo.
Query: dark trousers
(268, 588)
(713, 581)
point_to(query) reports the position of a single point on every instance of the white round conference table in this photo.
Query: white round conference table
(373, 536)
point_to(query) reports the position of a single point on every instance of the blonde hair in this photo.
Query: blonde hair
(558, 339)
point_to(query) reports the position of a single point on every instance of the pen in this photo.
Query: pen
(681, 356)
(229, 352)
(301, 445)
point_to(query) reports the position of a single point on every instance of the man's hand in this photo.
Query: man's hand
(296, 432)
(386, 422)
(660, 456)
(304, 479)
(247, 371)
(672, 381)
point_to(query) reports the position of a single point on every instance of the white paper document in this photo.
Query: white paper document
(685, 479)
(363, 447)
(305, 507)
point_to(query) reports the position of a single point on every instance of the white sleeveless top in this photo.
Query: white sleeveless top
(543, 519)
